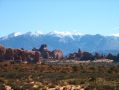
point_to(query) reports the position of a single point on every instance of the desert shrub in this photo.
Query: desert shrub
(75, 68)
(14, 75)
(73, 82)
(81, 82)
(105, 87)
(3, 80)
(90, 88)
(2, 86)
(51, 85)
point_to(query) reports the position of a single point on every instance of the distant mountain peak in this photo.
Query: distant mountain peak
(64, 34)
(15, 34)
(66, 41)
(37, 33)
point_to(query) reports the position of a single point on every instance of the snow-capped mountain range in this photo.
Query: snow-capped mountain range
(66, 41)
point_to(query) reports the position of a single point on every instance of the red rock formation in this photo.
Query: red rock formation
(9, 55)
(57, 54)
(2, 52)
(37, 56)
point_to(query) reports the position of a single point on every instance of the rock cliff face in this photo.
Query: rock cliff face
(31, 56)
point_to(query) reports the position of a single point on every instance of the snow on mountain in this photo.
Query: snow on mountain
(15, 34)
(115, 35)
(37, 33)
(66, 41)
(64, 34)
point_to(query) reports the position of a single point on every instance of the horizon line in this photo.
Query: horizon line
(57, 32)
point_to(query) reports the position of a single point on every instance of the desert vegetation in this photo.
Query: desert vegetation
(77, 71)
(85, 76)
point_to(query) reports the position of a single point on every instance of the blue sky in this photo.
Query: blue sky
(84, 16)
